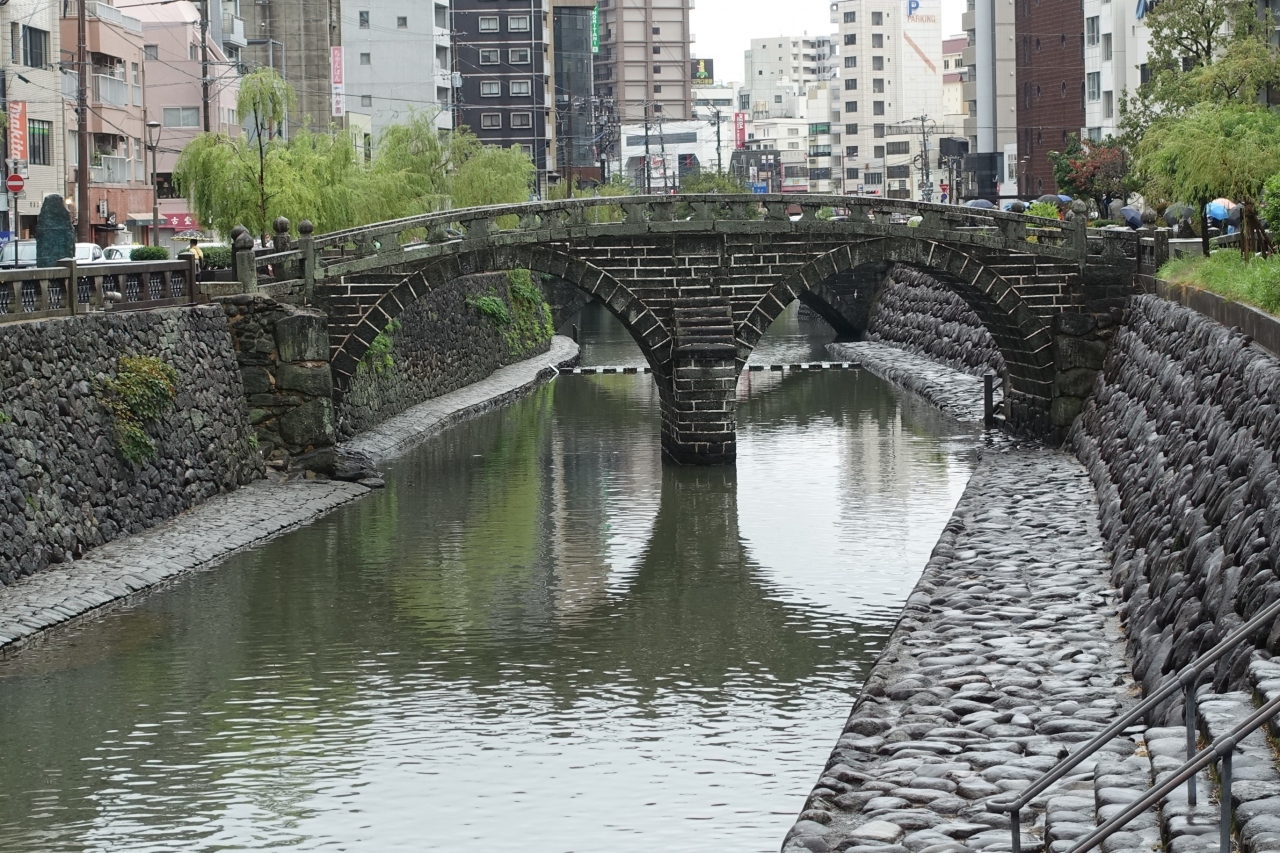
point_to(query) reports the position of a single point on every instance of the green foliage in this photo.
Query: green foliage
(378, 356)
(142, 390)
(1210, 151)
(1255, 281)
(4, 419)
(149, 253)
(711, 182)
(522, 286)
(253, 442)
(530, 325)
(1093, 170)
(1045, 209)
(217, 257)
(55, 235)
(491, 306)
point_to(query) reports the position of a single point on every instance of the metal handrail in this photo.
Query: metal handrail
(1185, 680)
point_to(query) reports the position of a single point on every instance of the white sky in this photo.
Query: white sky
(724, 28)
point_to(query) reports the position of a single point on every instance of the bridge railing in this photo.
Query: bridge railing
(40, 292)
(404, 239)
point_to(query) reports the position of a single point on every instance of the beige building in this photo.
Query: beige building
(954, 74)
(645, 59)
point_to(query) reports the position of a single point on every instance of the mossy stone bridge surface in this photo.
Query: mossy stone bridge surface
(698, 279)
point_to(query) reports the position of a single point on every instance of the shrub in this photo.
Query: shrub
(378, 356)
(149, 253)
(1044, 209)
(217, 257)
(492, 307)
(143, 389)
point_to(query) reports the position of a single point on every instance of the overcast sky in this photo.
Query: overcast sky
(725, 28)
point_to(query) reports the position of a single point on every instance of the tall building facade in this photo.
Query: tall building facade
(398, 60)
(294, 37)
(504, 61)
(577, 151)
(991, 96)
(32, 40)
(890, 96)
(954, 107)
(1051, 86)
(1116, 42)
(778, 72)
(644, 65)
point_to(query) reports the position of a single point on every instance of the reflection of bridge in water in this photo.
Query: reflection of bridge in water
(698, 292)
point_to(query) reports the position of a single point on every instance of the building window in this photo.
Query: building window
(489, 24)
(490, 88)
(1106, 47)
(874, 178)
(877, 63)
(877, 152)
(520, 88)
(851, 62)
(851, 129)
(366, 59)
(35, 47)
(898, 172)
(851, 17)
(777, 99)
(657, 88)
(1093, 83)
(489, 56)
(851, 106)
(877, 108)
(877, 40)
(851, 151)
(877, 131)
(657, 50)
(518, 56)
(38, 133)
(364, 20)
(366, 100)
(1092, 31)
(180, 116)
(898, 148)
(1108, 105)
(522, 119)
(877, 19)
(402, 23)
(489, 121)
(517, 23)
(877, 84)
(657, 31)
(850, 38)
(151, 51)
(657, 69)
(1095, 134)
(851, 83)
(851, 174)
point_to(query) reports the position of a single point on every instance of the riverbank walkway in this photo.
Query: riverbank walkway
(207, 534)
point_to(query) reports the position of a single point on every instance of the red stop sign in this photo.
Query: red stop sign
(14, 183)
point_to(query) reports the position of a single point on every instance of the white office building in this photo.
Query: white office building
(991, 93)
(890, 78)
(672, 150)
(1116, 42)
(779, 71)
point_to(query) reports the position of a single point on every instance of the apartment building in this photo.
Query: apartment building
(173, 97)
(991, 97)
(503, 55)
(1051, 86)
(30, 85)
(890, 79)
(778, 72)
(572, 60)
(398, 60)
(119, 182)
(1116, 42)
(294, 37)
(644, 65)
(954, 73)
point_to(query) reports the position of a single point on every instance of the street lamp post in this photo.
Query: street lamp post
(153, 142)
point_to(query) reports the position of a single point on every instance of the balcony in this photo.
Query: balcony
(233, 31)
(103, 12)
(111, 170)
(111, 91)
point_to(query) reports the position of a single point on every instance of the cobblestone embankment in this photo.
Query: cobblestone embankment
(203, 536)
(958, 394)
(1008, 652)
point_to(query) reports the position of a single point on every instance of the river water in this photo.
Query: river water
(537, 638)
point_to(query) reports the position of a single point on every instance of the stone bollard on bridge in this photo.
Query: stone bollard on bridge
(699, 402)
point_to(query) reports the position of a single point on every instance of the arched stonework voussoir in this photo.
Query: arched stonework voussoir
(1023, 336)
(650, 334)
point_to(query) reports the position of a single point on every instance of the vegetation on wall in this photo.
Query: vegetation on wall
(379, 356)
(526, 321)
(142, 390)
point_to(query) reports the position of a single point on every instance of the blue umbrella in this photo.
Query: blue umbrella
(1132, 217)
(1065, 199)
(980, 203)
(1217, 210)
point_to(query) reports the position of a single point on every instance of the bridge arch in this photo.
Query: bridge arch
(1024, 337)
(649, 332)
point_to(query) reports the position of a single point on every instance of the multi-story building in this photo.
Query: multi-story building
(991, 97)
(294, 37)
(890, 95)
(1051, 87)
(1116, 43)
(954, 74)
(572, 56)
(173, 97)
(779, 71)
(673, 150)
(503, 56)
(119, 182)
(31, 39)
(644, 65)
(397, 60)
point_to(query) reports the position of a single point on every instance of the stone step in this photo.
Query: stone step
(1185, 829)
(1255, 789)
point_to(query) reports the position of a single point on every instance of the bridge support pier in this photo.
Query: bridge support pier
(700, 400)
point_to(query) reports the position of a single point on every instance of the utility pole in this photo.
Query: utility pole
(927, 176)
(719, 150)
(648, 181)
(83, 231)
(204, 61)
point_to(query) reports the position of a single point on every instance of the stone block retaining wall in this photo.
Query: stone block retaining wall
(918, 314)
(443, 343)
(1181, 438)
(64, 487)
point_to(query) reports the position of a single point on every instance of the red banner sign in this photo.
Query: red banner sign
(180, 221)
(18, 130)
(740, 130)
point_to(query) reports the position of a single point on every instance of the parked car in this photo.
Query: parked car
(18, 254)
(89, 253)
(120, 253)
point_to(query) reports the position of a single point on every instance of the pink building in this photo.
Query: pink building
(171, 46)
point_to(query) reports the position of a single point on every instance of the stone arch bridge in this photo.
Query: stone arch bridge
(697, 280)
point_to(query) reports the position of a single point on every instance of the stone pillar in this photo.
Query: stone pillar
(699, 404)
